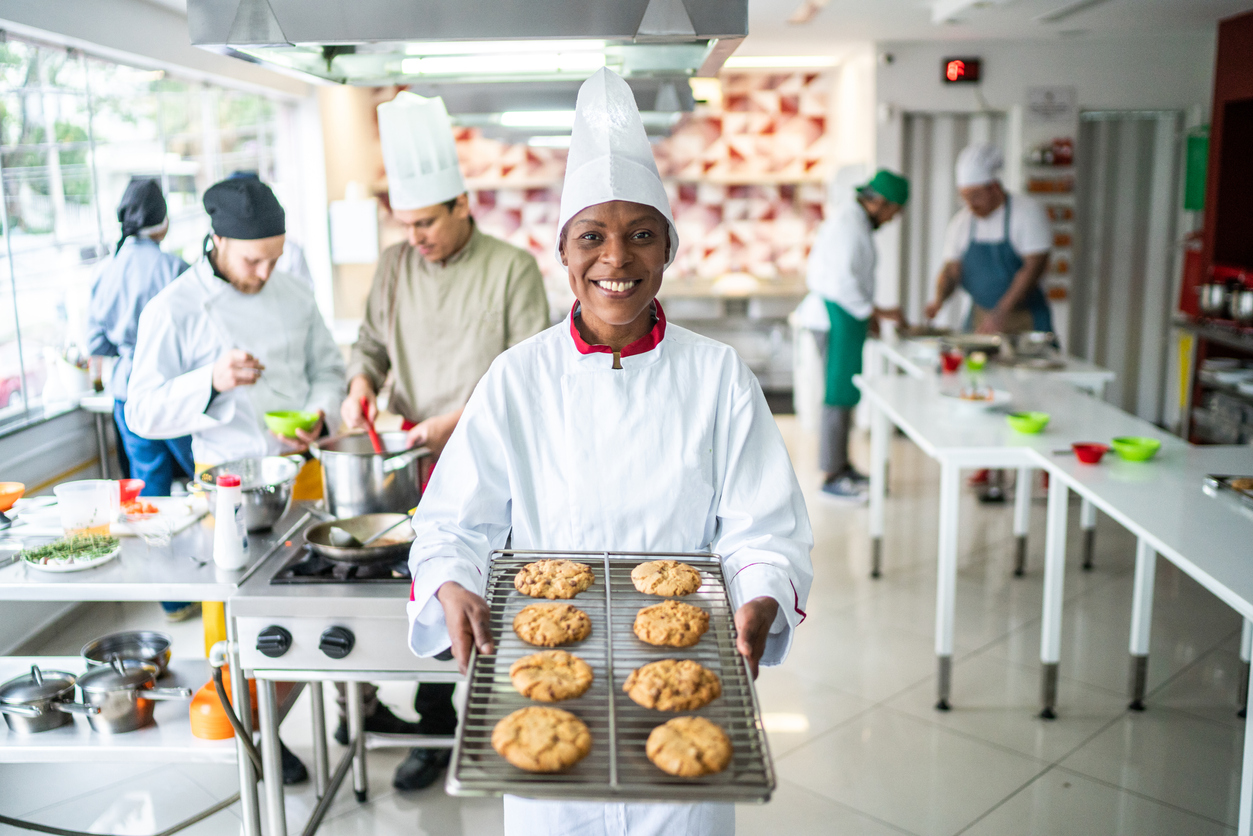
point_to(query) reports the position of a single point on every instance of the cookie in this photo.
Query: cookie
(541, 739)
(673, 685)
(665, 577)
(551, 675)
(671, 624)
(553, 579)
(549, 625)
(689, 747)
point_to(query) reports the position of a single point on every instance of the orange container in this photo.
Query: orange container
(10, 492)
(208, 719)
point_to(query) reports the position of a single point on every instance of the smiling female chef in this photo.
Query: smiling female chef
(614, 430)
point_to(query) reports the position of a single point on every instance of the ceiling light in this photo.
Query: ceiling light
(498, 47)
(1066, 11)
(537, 118)
(746, 62)
(549, 141)
(807, 11)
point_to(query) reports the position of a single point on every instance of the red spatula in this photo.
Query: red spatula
(375, 441)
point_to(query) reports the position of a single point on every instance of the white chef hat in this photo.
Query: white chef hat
(419, 152)
(978, 164)
(610, 158)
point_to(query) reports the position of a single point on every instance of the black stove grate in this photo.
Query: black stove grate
(306, 566)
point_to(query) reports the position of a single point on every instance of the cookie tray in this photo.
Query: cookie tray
(617, 768)
(1220, 485)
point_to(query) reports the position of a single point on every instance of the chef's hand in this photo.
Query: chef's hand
(933, 308)
(434, 432)
(236, 368)
(350, 410)
(752, 623)
(466, 615)
(993, 323)
(303, 438)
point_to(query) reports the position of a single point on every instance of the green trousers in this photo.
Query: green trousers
(844, 347)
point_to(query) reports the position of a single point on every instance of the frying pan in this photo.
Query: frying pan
(384, 551)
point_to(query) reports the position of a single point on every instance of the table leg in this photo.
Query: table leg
(946, 580)
(321, 770)
(1087, 524)
(1054, 584)
(879, 432)
(1022, 518)
(356, 737)
(1246, 651)
(250, 805)
(1141, 621)
(271, 759)
(1246, 777)
(102, 445)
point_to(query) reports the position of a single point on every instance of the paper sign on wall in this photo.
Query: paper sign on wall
(1051, 104)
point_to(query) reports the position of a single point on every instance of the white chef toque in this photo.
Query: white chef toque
(978, 164)
(610, 157)
(419, 152)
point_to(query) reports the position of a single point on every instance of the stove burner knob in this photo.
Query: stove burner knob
(337, 642)
(273, 641)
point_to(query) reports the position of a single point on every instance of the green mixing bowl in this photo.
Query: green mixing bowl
(1134, 448)
(286, 423)
(1027, 422)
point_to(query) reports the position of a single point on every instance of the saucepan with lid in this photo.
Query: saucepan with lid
(123, 693)
(1213, 299)
(357, 481)
(40, 700)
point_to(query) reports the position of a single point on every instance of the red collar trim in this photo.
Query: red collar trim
(645, 343)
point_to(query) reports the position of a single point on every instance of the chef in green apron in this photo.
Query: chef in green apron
(996, 249)
(841, 280)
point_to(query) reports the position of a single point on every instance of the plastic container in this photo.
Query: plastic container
(1028, 422)
(1089, 452)
(10, 492)
(86, 507)
(230, 531)
(129, 489)
(1134, 448)
(208, 719)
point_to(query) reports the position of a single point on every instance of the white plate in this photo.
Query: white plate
(1000, 397)
(76, 566)
(31, 503)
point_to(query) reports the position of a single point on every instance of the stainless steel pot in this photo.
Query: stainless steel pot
(358, 481)
(266, 484)
(1241, 303)
(123, 692)
(1213, 299)
(40, 700)
(143, 645)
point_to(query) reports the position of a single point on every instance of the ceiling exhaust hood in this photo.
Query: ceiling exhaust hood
(475, 42)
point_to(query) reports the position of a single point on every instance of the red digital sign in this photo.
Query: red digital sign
(961, 70)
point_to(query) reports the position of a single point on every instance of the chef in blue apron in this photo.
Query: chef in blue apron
(996, 249)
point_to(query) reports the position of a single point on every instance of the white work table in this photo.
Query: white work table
(1160, 501)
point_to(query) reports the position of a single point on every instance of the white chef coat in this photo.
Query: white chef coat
(1030, 232)
(194, 321)
(841, 265)
(675, 451)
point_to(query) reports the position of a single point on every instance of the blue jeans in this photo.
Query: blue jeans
(154, 461)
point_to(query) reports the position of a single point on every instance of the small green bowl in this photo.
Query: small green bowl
(1134, 448)
(286, 423)
(1027, 422)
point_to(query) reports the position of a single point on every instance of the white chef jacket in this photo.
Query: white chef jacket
(675, 451)
(194, 321)
(841, 265)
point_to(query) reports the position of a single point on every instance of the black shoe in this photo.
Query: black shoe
(382, 721)
(294, 771)
(421, 768)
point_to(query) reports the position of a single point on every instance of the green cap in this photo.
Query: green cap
(890, 186)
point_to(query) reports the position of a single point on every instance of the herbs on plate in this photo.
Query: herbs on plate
(72, 550)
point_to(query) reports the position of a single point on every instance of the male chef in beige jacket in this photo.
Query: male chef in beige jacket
(444, 303)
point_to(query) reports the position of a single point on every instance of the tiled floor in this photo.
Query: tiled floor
(858, 747)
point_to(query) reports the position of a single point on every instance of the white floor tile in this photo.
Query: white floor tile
(25, 787)
(1206, 689)
(795, 710)
(872, 663)
(798, 812)
(428, 813)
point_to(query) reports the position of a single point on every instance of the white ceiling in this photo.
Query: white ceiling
(910, 20)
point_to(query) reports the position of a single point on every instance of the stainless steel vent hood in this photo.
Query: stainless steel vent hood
(417, 42)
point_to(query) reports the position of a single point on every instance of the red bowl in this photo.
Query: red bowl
(1089, 452)
(129, 488)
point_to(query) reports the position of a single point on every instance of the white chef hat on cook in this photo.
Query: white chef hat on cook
(978, 164)
(610, 157)
(419, 152)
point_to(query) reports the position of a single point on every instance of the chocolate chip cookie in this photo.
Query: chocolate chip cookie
(541, 739)
(665, 577)
(549, 625)
(689, 747)
(671, 624)
(673, 685)
(550, 676)
(553, 579)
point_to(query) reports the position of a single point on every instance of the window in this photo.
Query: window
(74, 129)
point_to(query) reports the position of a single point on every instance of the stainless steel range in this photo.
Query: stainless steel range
(303, 618)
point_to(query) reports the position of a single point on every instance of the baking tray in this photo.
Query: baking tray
(1220, 485)
(617, 768)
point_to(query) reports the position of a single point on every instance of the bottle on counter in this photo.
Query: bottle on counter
(230, 534)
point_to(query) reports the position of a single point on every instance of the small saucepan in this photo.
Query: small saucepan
(123, 692)
(143, 645)
(40, 700)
